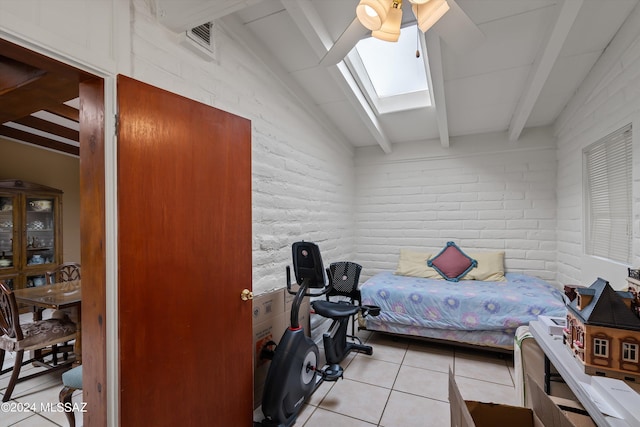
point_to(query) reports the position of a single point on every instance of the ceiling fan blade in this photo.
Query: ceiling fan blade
(347, 41)
(457, 30)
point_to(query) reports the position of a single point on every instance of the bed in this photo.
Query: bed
(473, 312)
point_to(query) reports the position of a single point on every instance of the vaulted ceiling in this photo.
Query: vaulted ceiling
(495, 66)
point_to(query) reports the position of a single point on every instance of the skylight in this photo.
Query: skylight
(390, 74)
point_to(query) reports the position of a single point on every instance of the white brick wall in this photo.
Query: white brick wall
(608, 99)
(483, 192)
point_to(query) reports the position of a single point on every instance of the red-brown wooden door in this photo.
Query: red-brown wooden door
(184, 242)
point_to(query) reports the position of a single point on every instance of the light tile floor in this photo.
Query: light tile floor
(403, 384)
(33, 401)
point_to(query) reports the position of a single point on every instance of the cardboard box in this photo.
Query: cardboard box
(544, 413)
(267, 305)
(573, 410)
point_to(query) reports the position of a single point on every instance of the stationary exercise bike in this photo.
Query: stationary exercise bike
(294, 373)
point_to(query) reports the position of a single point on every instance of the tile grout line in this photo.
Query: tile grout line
(392, 389)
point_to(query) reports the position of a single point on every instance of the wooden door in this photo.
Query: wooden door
(184, 233)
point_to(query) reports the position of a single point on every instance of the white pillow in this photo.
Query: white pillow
(490, 267)
(414, 264)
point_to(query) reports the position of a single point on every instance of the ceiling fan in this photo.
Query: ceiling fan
(382, 19)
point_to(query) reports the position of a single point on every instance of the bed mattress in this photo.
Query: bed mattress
(469, 311)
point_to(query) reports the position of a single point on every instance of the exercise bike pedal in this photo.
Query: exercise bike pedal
(332, 372)
(266, 353)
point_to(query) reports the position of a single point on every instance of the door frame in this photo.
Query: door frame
(104, 407)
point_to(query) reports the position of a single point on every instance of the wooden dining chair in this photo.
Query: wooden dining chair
(72, 381)
(65, 272)
(36, 335)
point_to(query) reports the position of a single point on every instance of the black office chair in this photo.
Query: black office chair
(344, 277)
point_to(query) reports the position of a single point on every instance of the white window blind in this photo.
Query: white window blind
(608, 193)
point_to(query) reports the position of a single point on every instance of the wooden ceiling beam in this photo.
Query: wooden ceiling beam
(64, 111)
(31, 82)
(47, 91)
(14, 74)
(49, 127)
(38, 140)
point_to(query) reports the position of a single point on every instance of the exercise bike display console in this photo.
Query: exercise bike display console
(294, 373)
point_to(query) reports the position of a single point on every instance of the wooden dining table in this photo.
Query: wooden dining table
(57, 296)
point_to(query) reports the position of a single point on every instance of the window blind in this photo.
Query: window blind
(608, 185)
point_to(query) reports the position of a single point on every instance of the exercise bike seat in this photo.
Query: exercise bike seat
(334, 310)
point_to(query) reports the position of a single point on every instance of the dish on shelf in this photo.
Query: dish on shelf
(36, 259)
(40, 205)
(5, 262)
(36, 225)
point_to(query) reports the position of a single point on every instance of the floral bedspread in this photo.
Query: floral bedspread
(463, 306)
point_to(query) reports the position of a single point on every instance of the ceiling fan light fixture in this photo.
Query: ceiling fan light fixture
(390, 30)
(430, 13)
(419, 1)
(372, 13)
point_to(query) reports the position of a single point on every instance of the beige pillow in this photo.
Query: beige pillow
(490, 267)
(414, 264)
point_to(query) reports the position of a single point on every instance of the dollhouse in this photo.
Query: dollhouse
(603, 331)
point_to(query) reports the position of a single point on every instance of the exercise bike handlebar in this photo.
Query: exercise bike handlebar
(303, 291)
(322, 291)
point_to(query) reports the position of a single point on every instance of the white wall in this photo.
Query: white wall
(608, 99)
(483, 192)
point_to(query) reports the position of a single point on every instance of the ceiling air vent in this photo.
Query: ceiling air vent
(201, 40)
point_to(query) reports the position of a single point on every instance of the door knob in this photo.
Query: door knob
(246, 295)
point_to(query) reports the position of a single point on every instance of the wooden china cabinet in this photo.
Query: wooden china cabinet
(30, 232)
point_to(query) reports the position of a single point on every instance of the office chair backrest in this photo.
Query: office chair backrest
(344, 277)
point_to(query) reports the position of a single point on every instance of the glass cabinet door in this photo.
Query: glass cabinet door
(7, 252)
(40, 230)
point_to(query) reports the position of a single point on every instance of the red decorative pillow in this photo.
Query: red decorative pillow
(452, 263)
